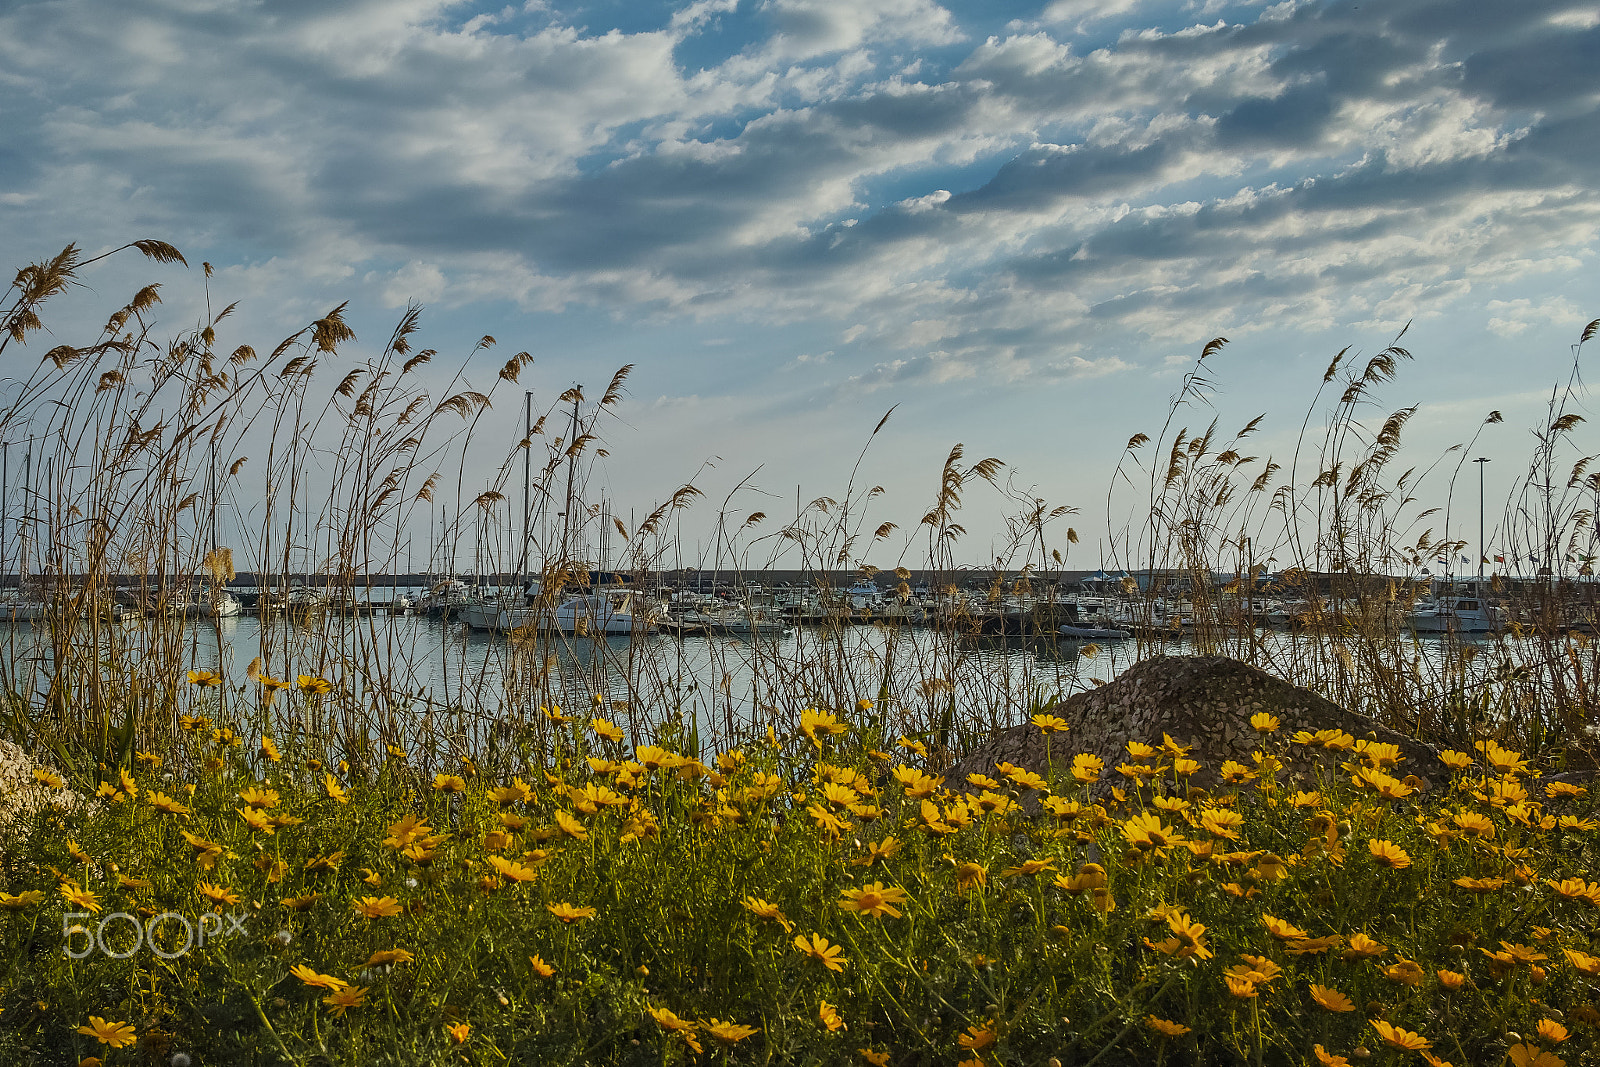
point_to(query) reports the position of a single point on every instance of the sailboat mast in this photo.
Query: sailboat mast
(527, 475)
(572, 460)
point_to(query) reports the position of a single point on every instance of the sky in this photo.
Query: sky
(1015, 224)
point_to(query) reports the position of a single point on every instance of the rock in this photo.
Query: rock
(1204, 701)
(21, 794)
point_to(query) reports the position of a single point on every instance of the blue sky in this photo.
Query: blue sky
(1016, 221)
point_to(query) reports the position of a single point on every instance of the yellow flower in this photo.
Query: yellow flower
(312, 978)
(449, 783)
(874, 900)
(1165, 1027)
(829, 1017)
(516, 872)
(1087, 768)
(1525, 1055)
(1028, 868)
(1456, 761)
(385, 956)
(817, 947)
(335, 791)
(1328, 1059)
(877, 850)
(82, 898)
(977, 1037)
(727, 1033)
(912, 746)
(1145, 831)
(1395, 1037)
(301, 903)
(1552, 1031)
(517, 792)
(1503, 760)
(1404, 971)
(459, 1032)
(377, 907)
(1474, 824)
(1363, 947)
(1452, 980)
(128, 785)
(1221, 822)
(205, 679)
(165, 804)
(259, 798)
(1331, 999)
(48, 778)
(608, 730)
(541, 968)
(1283, 931)
(217, 894)
(311, 685)
(1264, 723)
(405, 831)
(258, 820)
(814, 722)
(569, 913)
(340, 1000)
(1583, 962)
(969, 874)
(1576, 889)
(1388, 854)
(1236, 773)
(877, 1059)
(1481, 885)
(569, 825)
(1240, 986)
(765, 910)
(1050, 724)
(269, 749)
(25, 899)
(205, 852)
(272, 685)
(117, 1035)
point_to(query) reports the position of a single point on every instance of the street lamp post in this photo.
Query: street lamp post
(1483, 549)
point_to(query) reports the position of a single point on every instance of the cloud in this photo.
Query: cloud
(1508, 318)
(954, 204)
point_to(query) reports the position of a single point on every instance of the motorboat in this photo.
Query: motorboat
(609, 613)
(221, 604)
(448, 597)
(1464, 609)
(731, 622)
(1092, 633)
(863, 594)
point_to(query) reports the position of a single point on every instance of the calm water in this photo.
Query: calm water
(718, 684)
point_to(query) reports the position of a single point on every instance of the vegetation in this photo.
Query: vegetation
(810, 898)
(398, 872)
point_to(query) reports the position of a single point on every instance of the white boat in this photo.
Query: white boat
(608, 613)
(1092, 633)
(222, 605)
(450, 596)
(863, 594)
(733, 622)
(1462, 610)
(16, 609)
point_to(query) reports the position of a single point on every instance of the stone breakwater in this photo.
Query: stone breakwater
(1203, 701)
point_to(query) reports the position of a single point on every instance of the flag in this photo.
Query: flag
(1499, 559)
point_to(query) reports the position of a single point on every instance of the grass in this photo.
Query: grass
(411, 873)
(620, 905)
